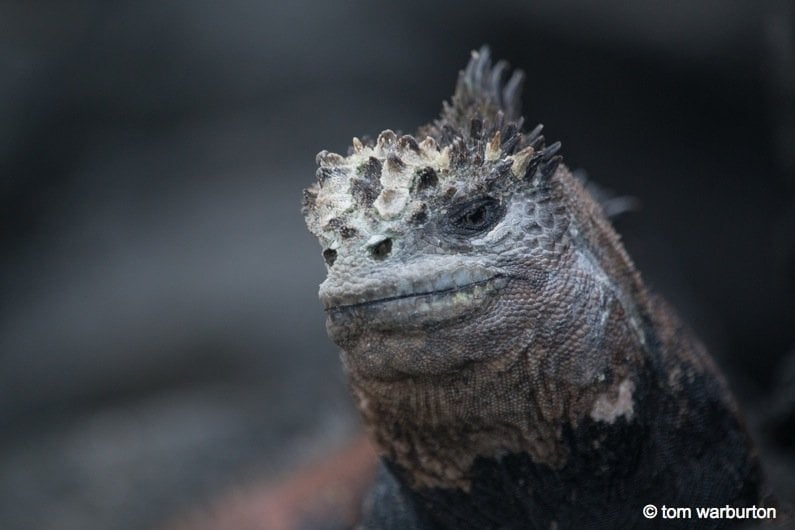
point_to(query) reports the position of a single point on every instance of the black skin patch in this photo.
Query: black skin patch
(364, 191)
(334, 224)
(700, 458)
(420, 217)
(338, 225)
(367, 187)
(348, 232)
(371, 170)
(409, 142)
(394, 163)
(426, 179)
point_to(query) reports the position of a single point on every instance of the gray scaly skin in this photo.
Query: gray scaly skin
(509, 363)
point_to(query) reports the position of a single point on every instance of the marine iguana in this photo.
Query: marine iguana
(509, 363)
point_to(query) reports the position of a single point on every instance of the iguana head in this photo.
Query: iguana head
(457, 236)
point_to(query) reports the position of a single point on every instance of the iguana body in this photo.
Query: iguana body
(512, 368)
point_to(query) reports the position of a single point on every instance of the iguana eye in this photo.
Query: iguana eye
(476, 216)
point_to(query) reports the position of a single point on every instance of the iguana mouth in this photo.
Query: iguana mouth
(446, 297)
(415, 281)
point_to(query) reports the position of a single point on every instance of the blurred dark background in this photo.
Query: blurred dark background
(160, 337)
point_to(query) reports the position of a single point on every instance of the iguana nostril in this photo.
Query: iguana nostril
(381, 249)
(330, 256)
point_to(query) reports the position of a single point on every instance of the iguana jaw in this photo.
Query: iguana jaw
(445, 300)
(411, 299)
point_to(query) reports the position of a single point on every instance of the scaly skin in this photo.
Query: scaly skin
(509, 363)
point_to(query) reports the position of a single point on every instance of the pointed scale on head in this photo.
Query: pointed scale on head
(395, 179)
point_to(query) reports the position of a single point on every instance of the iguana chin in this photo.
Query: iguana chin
(509, 363)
